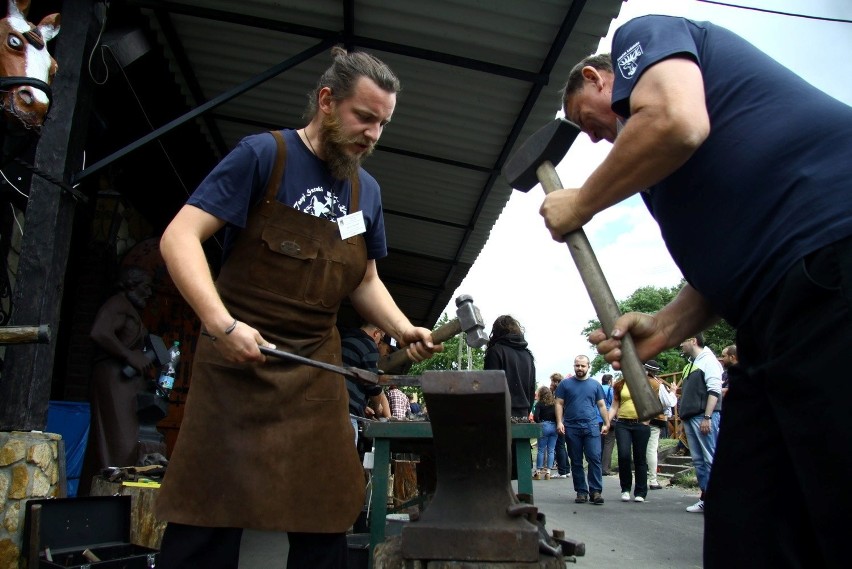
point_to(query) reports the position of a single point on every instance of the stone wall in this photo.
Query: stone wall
(29, 468)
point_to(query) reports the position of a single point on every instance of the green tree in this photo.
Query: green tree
(651, 299)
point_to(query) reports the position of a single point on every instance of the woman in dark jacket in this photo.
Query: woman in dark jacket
(507, 350)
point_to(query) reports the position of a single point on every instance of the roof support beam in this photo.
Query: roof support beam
(273, 71)
(350, 40)
(562, 35)
(185, 67)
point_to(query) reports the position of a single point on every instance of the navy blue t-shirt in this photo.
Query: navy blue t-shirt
(772, 182)
(580, 401)
(307, 186)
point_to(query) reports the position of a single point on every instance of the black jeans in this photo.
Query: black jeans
(193, 547)
(561, 452)
(783, 463)
(632, 438)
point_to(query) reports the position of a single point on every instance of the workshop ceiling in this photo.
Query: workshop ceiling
(478, 77)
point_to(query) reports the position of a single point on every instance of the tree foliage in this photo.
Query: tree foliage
(649, 299)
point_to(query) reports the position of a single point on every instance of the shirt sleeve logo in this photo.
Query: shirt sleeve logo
(628, 61)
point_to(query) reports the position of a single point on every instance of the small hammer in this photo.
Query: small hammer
(533, 163)
(468, 319)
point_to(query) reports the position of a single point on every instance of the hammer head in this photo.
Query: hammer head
(550, 142)
(471, 322)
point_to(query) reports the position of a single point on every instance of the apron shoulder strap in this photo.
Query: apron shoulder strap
(274, 183)
(354, 198)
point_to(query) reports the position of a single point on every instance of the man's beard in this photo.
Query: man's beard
(334, 141)
(580, 374)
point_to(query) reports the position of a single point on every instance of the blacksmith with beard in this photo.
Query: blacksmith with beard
(303, 228)
(507, 350)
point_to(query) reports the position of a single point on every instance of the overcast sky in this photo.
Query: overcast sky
(522, 272)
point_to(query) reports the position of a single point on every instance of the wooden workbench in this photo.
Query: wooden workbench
(415, 437)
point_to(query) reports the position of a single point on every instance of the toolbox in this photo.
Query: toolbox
(83, 533)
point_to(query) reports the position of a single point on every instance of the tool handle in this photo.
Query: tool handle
(361, 375)
(439, 335)
(647, 404)
(25, 334)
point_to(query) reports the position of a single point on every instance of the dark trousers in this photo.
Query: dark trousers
(632, 437)
(607, 444)
(785, 423)
(193, 547)
(561, 452)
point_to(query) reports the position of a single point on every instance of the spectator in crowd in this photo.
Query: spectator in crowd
(579, 405)
(545, 414)
(656, 424)
(507, 350)
(413, 405)
(631, 438)
(608, 438)
(728, 359)
(700, 407)
(399, 408)
(360, 348)
(563, 463)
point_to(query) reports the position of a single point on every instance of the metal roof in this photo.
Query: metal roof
(477, 77)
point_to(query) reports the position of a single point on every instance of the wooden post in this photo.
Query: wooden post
(28, 370)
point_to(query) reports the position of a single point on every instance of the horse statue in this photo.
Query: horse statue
(26, 70)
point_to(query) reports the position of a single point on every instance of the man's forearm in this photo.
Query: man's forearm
(668, 123)
(181, 249)
(374, 303)
(685, 316)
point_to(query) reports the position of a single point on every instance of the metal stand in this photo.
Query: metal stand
(474, 515)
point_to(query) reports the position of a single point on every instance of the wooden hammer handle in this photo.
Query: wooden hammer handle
(647, 404)
(439, 335)
(24, 334)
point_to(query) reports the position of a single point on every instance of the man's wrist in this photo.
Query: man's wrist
(707, 417)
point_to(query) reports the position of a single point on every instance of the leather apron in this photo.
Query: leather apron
(269, 446)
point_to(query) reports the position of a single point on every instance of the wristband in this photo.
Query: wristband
(231, 328)
(707, 417)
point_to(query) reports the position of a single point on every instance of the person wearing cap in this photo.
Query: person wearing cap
(657, 424)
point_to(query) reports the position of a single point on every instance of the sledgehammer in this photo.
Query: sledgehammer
(533, 163)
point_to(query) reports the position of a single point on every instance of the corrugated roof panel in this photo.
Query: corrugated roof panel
(452, 127)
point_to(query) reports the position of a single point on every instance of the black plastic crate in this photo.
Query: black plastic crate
(67, 527)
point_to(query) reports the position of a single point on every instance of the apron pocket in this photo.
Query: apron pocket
(334, 279)
(285, 263)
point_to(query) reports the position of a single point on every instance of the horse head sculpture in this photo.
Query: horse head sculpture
(26, 67)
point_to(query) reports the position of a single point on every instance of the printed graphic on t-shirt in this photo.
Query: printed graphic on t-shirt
(320, 202)
(627, 61)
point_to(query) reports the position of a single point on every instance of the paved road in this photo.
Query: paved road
(656, 534)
